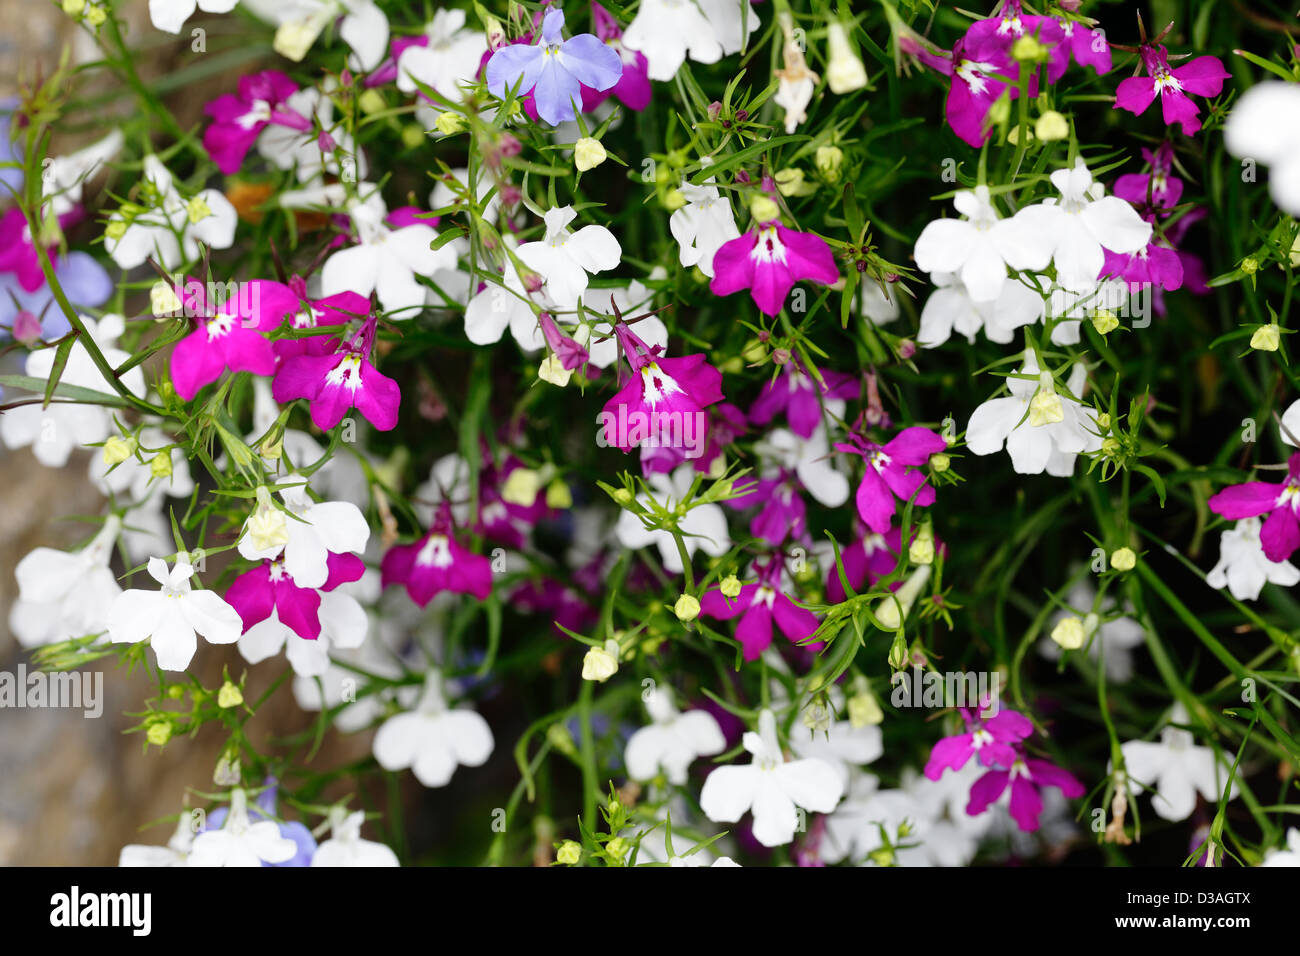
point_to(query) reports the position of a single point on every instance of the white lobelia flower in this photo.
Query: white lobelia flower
(1042, 430)
(1176, 768)
(172, 615)
(666, 31)
(1117, 637)
(385, 260)
(1076, 227)
(240, 842)
(307, 534)
(175, 853)
(702, 226)
(982, 246)
(795, 81)
(170, 15)
(951, 308)
(704, 526)
(300, 150)
(809, 458)
(563, 260)
(853, 830)
(672, 741)
(433, 740)
(64, 176)
(1242, 567)
(733, 23)
(345, 846)
(838, 743)
(1289, 428)
(54, 432)
(1288, 857)
(64, 594)
(1264, 126)
(771, 787)
(171, 229)
(452, 57)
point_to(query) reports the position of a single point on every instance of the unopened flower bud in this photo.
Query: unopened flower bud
(163, 299)
(921, 550)
(413, 135)
(1068, 633)
(1045, 407)
(229, 696)
(622, 497)
(521, 487)
(1104, 321)
(588, 153)
(1267, 338)
(267, 526)
(161, 465)
(601, 663)
(371, 101)
(159, 733)
(449, 123)
(1028, 49)
(940, 463)
(864, 710)
(1123, 559)
(1052, 126)
(687, 608)
(828, 160)
(844, 70)
(558, 495)
(26, 328)
(673, 199)
(118, 450)
(730, 586)
(569, 853)
(764, 209)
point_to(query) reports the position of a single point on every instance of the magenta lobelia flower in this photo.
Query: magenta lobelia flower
(768, 261)
(783, 512)
(337, 380)
(892, 469)
(1280, 534)
(1156, 191)
(663, 398)
(980, 75)
(269, 587)
(795, 392)
(436, 563)
(1088, 46)
(238, 119)
(1203, 76)
(991, 741)
(758, 605)
(232, 338)
(1027, 777)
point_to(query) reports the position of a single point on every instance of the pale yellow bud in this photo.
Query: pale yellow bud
(829, 159)
(1267, 338)
(449, 123)
(558, 495)
(161, 465)
(569, 853)
(687, 608)
(164, 300)
(764, 209)
(267, 527)
(118, 450)
(1104, 321)
(588, 153)
(864, 710)
(229, 695)
(521, 487)
(1123, 559)
(921, 550)
(552, 370)
(730, 586)
(371, 101)
(601, 663)
(1052, 126)
(844, 71)
(1045, 407)
(1069, 633)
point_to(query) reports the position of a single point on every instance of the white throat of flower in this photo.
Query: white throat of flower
(259, 113)
(769, 249)
(436, 552)
(656, 385)
(347, 374)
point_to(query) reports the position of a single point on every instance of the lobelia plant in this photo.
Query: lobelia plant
(671, 575)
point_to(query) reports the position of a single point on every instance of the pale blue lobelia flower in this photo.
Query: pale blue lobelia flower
(555, 69)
